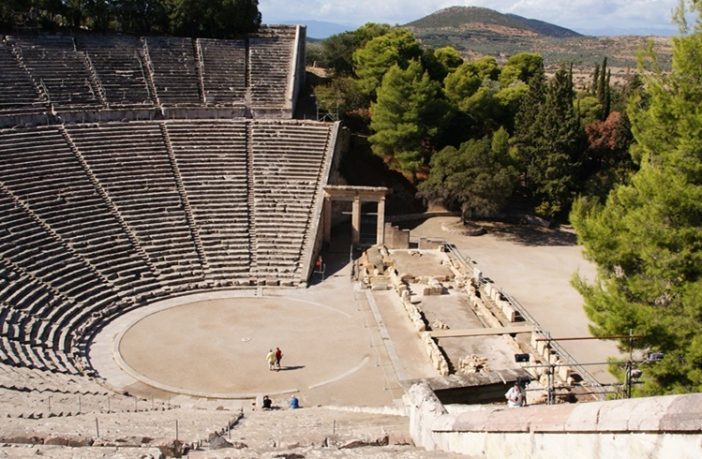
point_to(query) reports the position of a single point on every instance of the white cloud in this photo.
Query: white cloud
(640, 15)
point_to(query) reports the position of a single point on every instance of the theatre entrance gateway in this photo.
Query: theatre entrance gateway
(357, 195)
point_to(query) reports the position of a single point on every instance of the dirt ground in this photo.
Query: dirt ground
(214, 345)
(341, 346)
(534, 265)
(233, 336)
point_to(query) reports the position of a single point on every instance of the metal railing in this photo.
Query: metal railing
(564, 355)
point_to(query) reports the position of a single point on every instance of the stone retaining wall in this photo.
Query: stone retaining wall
(652, 427)
(415, 315)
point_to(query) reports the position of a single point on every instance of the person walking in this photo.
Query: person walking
(278, 357)
(270, 358)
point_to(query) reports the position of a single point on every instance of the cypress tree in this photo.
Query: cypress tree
(603, 76)
(595, 80)
(550, 144)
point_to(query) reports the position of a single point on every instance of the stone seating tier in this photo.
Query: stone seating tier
(98, 219)
(224, 70)
(17, 92)
(58, 69)
(174, 69)
(119, 66)
(116, 72)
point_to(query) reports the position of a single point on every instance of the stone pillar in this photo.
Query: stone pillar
(380, 231)
(356, 220)
(327, 218)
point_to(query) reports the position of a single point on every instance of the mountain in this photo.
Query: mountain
(470, 17)
(477, 32)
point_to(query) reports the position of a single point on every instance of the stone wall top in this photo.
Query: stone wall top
(674, 413)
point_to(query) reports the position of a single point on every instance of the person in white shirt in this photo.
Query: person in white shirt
(515, 396)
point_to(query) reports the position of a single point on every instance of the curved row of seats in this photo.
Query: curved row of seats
(97, 219)
(40, 73)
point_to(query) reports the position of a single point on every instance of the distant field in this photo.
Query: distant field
(583, 52)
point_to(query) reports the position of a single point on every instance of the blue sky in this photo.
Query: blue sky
(600, 17)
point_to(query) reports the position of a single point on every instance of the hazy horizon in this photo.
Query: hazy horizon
(588, 17)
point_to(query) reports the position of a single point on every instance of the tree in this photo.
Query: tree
(339, 96)
(601, 90)
(473, 89)
(378, 55)
(214, 18)
(406, 117)
(440, 62)
(522, 67)
(477, 178)
(337, 50)
(550, 143)
(462, 84)
(203, 18)
(646, 239)
(607, 161)
(449, 58)
(141, 16)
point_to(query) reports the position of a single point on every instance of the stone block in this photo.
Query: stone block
(25, 438)
(614, 416)
(432, 290)
(564, 372)
(646, 413)
(74, 441)
(551, 418)
(219, 442)
(683, 413)
(379, 285)
(169, 447)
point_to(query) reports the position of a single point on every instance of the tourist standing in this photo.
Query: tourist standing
(515, 396)
(278, 357)
(270, 358)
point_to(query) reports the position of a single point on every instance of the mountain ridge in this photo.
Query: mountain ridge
(477, 32)
(462, 17)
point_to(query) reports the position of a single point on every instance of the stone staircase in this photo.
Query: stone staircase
(316, 432)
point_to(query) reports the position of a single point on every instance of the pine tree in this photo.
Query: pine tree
(647, 238)
(377, 56)
(405, 118)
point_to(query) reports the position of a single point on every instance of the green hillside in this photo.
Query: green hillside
(476, 32)
(460, 17)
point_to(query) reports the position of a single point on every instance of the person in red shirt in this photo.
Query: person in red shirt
(278, 357)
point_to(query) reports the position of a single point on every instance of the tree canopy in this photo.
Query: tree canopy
(646, 239)
(204, 18)
(406, 116)
(476, 178)
(550, 143)
(561, 139)
(337, 50)
(374, 59)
